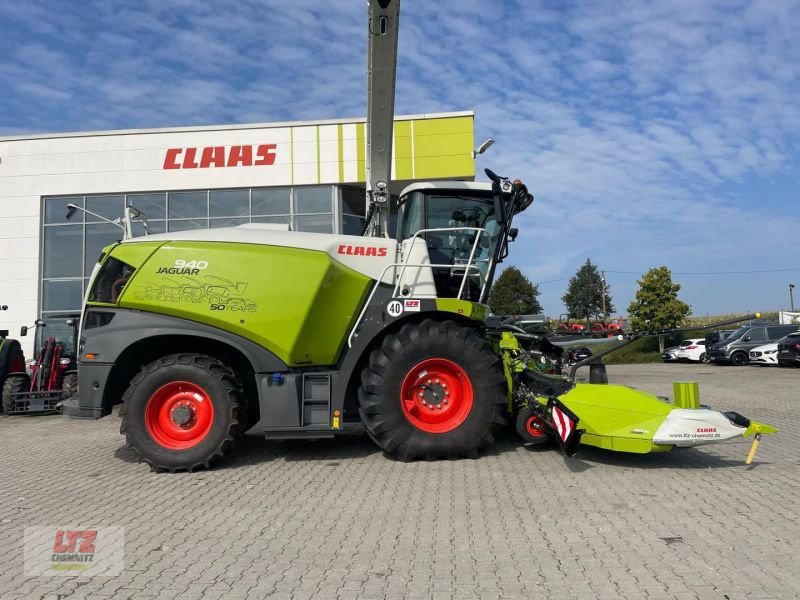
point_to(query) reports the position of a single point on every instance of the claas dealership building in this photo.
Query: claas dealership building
(307, 175)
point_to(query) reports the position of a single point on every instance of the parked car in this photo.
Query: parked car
(789, 350)
(766, 355)
(670, 354)
(692, 350)
(576, 355)
(736, 348)
(715, 337)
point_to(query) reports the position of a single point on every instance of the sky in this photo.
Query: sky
(651, 134)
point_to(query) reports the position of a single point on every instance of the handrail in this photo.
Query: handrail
(479, 230)
(468, 267)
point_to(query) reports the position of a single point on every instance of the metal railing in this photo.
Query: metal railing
(469, 267)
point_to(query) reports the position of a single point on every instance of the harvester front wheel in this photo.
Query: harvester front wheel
(180, 412)
(433, 390)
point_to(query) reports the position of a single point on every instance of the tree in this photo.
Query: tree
(514, 294)
(656, 305)
(584, 295)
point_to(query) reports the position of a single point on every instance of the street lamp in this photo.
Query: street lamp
(791, 297)
(482, 148)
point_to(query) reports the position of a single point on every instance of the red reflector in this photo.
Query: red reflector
(797, 346)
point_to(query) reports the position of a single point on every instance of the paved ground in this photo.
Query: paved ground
(337, 520)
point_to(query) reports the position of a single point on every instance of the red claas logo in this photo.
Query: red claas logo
(361, 250)
(66, 542)
(220, 156)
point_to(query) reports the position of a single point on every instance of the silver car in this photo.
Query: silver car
(670, 354)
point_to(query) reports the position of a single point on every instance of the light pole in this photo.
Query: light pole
(791, 297)
(603, 291)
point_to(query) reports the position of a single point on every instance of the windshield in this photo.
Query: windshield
(56, 327)
(451, 210)
(737, 334)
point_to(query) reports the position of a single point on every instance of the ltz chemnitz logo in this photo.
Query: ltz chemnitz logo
(75, 548)
(71, 551)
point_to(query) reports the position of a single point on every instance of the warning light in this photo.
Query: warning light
(90, 356)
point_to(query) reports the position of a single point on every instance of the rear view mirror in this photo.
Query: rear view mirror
(598, 373)
(70, 211)
(23, 331)
(40, 323)
(70, 322)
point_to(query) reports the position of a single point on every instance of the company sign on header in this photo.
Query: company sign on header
(220, 156)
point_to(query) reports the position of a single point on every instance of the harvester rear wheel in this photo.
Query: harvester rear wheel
(14, 384)
(181, 412)
(433, 390)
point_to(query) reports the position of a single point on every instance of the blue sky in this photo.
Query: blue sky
(651, 133)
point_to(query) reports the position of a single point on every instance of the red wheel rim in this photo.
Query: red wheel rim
(436, 395)
(534, 426)
(179, 415)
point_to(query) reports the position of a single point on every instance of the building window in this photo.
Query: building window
(70, 248)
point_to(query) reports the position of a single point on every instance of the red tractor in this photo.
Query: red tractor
(42, 383)
(566, 327)
(610, 329)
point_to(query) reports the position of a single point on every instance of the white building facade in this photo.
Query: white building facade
(309, 175)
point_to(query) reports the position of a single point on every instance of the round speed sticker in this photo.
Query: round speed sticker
(395, 308)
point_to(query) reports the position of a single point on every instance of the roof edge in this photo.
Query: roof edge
(230, 127)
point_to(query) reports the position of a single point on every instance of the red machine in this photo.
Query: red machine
(41, 384)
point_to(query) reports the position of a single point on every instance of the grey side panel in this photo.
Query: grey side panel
(129, 326)
(121, 329)
(88, 402)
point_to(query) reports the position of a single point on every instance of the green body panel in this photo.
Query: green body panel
(299, 304)
(756, 427)
(613, 414)
(133, 254)
(471, 310)
(686, 394)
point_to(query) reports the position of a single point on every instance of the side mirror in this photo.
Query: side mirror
(513, 233)
(23, 331)
(746, 338)
(598, 373)
(40, 323)
(3, 333)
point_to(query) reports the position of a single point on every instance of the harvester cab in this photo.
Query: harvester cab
(453, 234)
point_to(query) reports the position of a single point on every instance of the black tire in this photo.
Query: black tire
(379, 397)
(222, 390)
(529, 421)
(14, 384)
(11, 359)
(69, 386)
(739, 359)
(702, 359)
